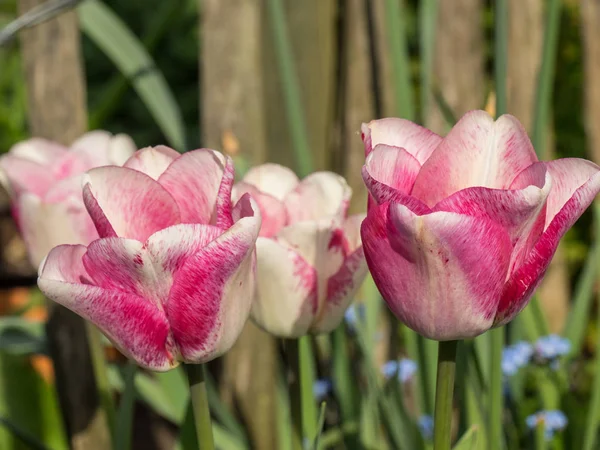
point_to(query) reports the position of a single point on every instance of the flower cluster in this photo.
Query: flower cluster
(169, 258)
(550, 347)
(404, 369)
(552, 420)
(516, 356)
(546, 350)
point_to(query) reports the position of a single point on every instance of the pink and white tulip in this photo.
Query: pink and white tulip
(172, 276)
(310, 259)
(461, 229)
(43, 179)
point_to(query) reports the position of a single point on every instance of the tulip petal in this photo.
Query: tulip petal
(272, 210)
(389, 171)
(352, 230)
(442, 273)
(209, 175)
(93, 147)
(520, 212)
(136, 273)
(321, 195)
(127, 203)
(59, 218)
(416, 140)
(23, 175)
(101, 148)
(272, 179)
(213, 291)
(39, 150)
(120, 149)
(323, 245)
(524, 280)
(286, 297)
(136, 326)
(340, 291)
(568, 175)
(152, 161)
(476, 152)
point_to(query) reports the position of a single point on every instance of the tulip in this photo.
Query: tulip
(171, 278)
(310, 260)
(461, 229)
(43, 179)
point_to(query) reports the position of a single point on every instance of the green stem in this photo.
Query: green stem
(123, 426)
(501, 54)
(443, 395)
(101, 374)
(540, 437)
(292, 96)
(310, 412)
(199, 397)
(496, 401)
(292, 355)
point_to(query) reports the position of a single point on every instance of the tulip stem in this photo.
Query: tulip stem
(199, 397)
(292, 355)
(100, 373)
(446, 369)
(496, 402)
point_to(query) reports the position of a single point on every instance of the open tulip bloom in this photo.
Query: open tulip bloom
(460, 230)
(172, 276)
(309, 258)
(43, 179)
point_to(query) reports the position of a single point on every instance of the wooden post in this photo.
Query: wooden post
(57, 110)
(311, 25)
(526, 21)
(459, 59)
(233, 120)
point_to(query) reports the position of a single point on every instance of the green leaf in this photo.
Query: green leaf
(575, 327)
(395, 13)
(21, 337)
(320, 425)
(125, 50)
(469, 440)
(28, 405)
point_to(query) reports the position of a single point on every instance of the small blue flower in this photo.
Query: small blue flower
(321, 388)
(553, 420)
(353, 314)
(516, 356)
(552, 346)
(406, 369)
(389, 369)
(426, 427)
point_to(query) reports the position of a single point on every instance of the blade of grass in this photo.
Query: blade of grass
(593, 419)
(469, 440)
(497, 336)
(291, 87)
(344, 383)
(427, 20)
(30, 440)
(116, 40)
(116, 87)
(396, 32)
(546, 77)
(582, 298)
(320, 424)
